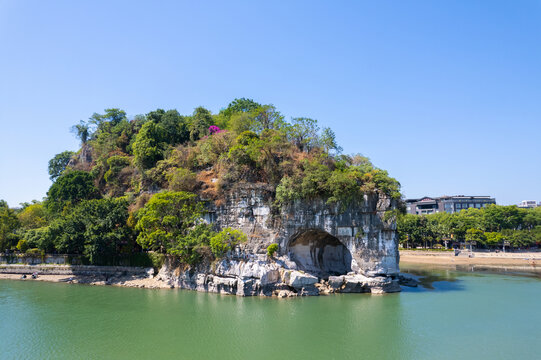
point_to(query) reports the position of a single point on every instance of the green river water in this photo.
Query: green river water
(455, 315)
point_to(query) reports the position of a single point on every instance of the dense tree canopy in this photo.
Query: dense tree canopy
(33, 216)
(69, 189)
(489, 227)
(166, 219)
(95, 229)
(8, 224)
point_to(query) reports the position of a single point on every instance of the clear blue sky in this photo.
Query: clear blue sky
(445, 95)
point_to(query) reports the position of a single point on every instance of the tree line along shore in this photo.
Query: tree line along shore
(492, 228)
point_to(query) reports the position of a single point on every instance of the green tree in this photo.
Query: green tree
(287, 190)
(240, 105)
(111, 118)
(40, 238)
(22, 245)
(494, 238)
(70, 189)
(497, 218)
(33, 216)
(267, 118)
(343, 185)
(200, 123)
(82, 131)
(225, 241)
(96, 229)
(467, 219)
(195, 245)
(181, 179)
(409, 230)
(521, 238)
(165, 221)
(327, 141)
(476, 235)
(149, 145)
(271, 249)
(385, 183)
(315, 179)
(175, 127)
(304, 133)
(246, 149)
(8, 225)
(58, 164)
(532, 218)
(111, 132)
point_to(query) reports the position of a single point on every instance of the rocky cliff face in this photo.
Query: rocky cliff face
(83, 159)
(322, 248)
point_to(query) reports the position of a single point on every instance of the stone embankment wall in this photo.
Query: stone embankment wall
(75, 270)
(36, 260)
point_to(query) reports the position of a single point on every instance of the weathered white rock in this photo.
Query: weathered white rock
(298, 280)
(270, 277)
(315, 240)
(355, 284)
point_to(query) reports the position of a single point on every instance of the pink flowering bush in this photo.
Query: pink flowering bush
(213, 129)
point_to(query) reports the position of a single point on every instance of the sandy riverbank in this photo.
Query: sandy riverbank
(530, 262)
(512, 262)
(151, 283)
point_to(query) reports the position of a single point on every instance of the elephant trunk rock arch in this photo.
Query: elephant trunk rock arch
(322, 247)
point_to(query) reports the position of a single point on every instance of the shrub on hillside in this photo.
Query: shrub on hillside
(225, 241)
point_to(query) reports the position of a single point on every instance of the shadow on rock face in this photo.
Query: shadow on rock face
(319, 253)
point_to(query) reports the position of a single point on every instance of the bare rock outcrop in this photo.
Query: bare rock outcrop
(323, 248)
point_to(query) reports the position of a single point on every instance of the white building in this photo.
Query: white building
(527, 204)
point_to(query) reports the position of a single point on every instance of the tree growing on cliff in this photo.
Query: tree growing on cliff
(165, 221)
(149, 146)
(175, 126)
(58, 164)
(271, 249)
(200, 122)
(82, 131)
(105, 122)
(304, 133)
(328, 141)
(226, 240)
(241, 105)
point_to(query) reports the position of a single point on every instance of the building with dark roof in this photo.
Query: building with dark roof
(449, 204)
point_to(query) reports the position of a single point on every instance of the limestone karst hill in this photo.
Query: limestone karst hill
(241, 201)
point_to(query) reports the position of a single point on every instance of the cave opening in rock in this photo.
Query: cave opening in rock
(320, 253)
